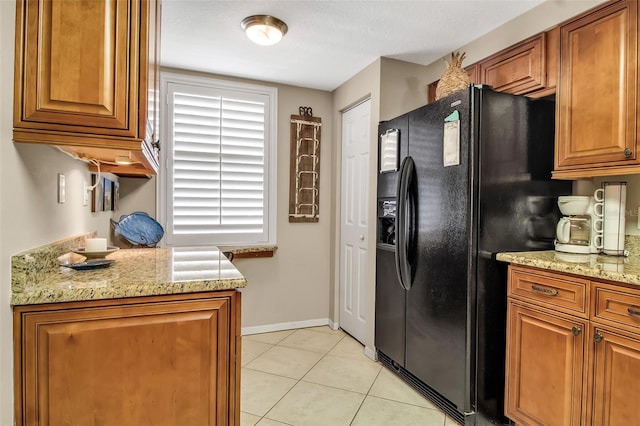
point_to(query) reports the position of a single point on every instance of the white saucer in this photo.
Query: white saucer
(95, 254)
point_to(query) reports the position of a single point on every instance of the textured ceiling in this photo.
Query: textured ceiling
(328, 41)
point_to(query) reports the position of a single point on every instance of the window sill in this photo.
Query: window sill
(248, 252)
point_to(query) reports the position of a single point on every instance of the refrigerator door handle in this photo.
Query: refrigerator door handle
(403, 223)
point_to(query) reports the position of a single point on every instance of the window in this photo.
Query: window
(219, 184)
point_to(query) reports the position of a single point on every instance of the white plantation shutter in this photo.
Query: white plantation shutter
(218, 161)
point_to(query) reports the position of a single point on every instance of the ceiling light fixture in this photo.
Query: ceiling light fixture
(264, 29)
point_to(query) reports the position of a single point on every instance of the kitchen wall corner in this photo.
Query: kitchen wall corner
(31, 215)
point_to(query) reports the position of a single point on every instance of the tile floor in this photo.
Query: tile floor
(321, 377)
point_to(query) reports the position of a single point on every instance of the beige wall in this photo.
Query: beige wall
(396, 87)
(292, 288)
(137, 194)
(365, 85)
(278, 291)
(541, 18)
(403, 87)
(586, 187)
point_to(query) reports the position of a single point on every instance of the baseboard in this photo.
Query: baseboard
(371, 353)
(288, 326)
(334, 325)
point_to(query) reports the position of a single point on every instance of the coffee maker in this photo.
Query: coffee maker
(579, 230)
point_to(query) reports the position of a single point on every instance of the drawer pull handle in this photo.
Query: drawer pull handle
(544, 290)
(627, 153)
(633, 311)
(575, 330)
(597, 337)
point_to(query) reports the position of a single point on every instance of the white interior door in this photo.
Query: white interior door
(354, 235)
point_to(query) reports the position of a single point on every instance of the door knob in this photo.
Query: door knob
(361, 237)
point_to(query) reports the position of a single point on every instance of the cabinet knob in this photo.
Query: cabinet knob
(627, 152)
(575, 330)
(597, 337)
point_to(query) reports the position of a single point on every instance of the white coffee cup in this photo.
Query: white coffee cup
(597, 241)
(610, 206)
(597, 224)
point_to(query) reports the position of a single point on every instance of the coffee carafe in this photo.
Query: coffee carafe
(579, 230)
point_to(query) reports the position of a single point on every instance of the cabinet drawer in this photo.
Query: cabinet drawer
(557, 291)
(617, 306)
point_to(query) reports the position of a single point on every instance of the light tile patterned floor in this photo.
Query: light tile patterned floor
(321, 377)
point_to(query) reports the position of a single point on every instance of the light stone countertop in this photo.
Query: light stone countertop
(37, 276)
(612, 268)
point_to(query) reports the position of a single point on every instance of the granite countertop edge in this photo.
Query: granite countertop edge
(41, 295)
(619, 269)
(38, 275)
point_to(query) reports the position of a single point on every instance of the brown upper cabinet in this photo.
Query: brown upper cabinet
(597, 101)
(529, 67)
(87, 80)
(519, 69)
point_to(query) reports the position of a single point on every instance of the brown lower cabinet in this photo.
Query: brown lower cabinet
(160, 360)
(615, 382)
(546, 359)
(565, 367)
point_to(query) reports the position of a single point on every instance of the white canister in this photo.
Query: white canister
(612, 200)
(96, 245)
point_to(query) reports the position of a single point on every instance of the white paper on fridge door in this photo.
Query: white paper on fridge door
(451, 143)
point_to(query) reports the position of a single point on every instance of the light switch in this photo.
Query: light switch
(61, 189)
(85, 194)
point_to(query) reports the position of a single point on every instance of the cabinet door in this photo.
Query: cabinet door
(519, 69)
(164, 363)
(473, 70)
(544, 367)
(598, 91)
(150, 75)
(80, 80)
(615, 379)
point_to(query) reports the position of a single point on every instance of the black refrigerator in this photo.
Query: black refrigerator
(472, 178)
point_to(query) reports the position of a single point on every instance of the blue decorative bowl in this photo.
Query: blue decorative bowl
(139, 229)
